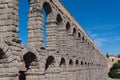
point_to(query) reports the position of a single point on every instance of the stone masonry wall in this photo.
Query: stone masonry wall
(69, 53)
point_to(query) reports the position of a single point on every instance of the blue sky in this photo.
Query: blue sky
(99, 18)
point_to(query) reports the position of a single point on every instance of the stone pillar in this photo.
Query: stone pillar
(83, 48)
(76, 50)
(70, 44)
(9, 18)
(62, 39)
(8, 32)
(51, 28)
(35, 25)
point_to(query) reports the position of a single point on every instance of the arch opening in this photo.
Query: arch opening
(77, 62)
(74, 31)
(62, 62)
(59, 18)
(79, 35)
(85, 63)
(1, 54)
(44, 26)
(68, 26)
(29, 58)
(22, 75)
(47, 7)
(83, 38)
(50, 60)
(70, 62)
(81, 62)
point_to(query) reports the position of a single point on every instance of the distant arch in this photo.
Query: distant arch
(47, 7)
(50, 60)
(79, 35)
(27, 50)
(68, 26)
(85, 63)
(59, 18)
(29, 57)
(70, 62)
(112, 60)
(77, 62)
(62, 62)
(83, 38)
(74, 31)
(81, 62)
(2, 53)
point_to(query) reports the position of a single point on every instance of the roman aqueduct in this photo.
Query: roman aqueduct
(69, 53)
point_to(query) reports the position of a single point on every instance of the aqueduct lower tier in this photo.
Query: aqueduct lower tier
(69, 53)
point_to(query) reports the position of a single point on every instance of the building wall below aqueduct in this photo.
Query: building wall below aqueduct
(69, 53)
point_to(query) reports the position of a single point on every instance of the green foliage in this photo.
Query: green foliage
(118, 61)
(114, 74)
(116, 66)
(107, 55)
(119, 56)
(113, 71)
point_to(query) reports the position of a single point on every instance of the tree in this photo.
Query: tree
(114, 73)
(118, 55)
(107, 55)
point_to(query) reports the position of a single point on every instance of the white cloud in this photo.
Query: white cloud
(93, 35)
(99, 41)
(104, 27)
(114, 39)
(117, 38)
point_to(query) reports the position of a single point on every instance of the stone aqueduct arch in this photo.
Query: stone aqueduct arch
(69, 53)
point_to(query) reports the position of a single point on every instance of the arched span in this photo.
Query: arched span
(27, 50)
(1, 53)
(59, 18)
(62, 62)
(49, 61)
(79, 35)
(81, 62)
(85, 63)
(29, 57)
(68, 26)
(83, 38)
(47, 7)
(77, 62)
(74, 31)
(71, 62)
